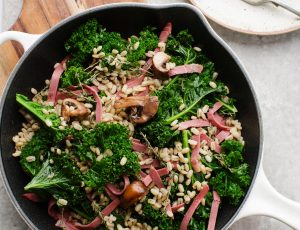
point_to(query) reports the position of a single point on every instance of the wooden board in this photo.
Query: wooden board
(36, 17)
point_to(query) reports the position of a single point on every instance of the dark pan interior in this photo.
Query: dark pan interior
(36, 66)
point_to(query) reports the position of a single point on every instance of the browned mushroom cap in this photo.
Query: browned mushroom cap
(142, 108)
(133, 193)
(78, 109)
(131, 101)
(159, 65)
(148, 111)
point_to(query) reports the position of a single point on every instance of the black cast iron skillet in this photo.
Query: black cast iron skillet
(37, 64)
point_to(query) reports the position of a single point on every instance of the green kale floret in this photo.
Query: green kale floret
(36, 147)
(155, 217)
(228, 108)
(109, 170)
(227, 187)
(73, 76)
(147, 40)
(231, 174)
(81, 143)
(158, 133)
(181, 48)
(89, 36)
(232, 153)
(105, 136)
(188, 90)
(37, 110)
(82, 41)
(231, 145)
(182, 52)
(50, 120)
(185, 38)
(201, 215)
(113, 137)
(60, 178)
(111, 40)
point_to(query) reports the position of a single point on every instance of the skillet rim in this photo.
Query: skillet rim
(145, 6)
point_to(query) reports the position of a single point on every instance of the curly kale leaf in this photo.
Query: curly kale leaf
(112, 137)
(73, 76)
(231, 145)
(228, 107)
(182, 52)
(156, 217)
(105, 136)
(36, 147)
(82, 41)
(201, 214)
(241, 174)
(147, 40)
(62, 180)
(192, 90)
(232, 153)
(51, 120)
(37, 110)
(112, 40)
(185, 38)
(188, 90)
(57, 172)
(81, 143)
(231, 174)
(233, 158)
(227, 187)
(109, 170)
(158, 133)
(88, 36)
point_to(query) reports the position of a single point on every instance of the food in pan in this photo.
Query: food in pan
(136, 133)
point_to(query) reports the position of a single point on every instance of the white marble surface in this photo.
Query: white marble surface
(273, 64)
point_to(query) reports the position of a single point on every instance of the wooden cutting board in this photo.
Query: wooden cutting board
(36, 17)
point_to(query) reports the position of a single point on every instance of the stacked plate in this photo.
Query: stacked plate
(266, 19)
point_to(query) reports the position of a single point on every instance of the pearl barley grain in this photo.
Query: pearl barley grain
(33, 91)
(198, 49)
(30, 159)
(180, 188)
(123, 161)
(136, 45)
(195, 131)
(48, 122)
(212, 84)
(62, 202)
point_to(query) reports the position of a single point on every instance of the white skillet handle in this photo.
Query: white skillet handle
(25, 39)
(266, 201)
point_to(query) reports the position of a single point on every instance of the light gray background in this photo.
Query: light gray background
(273, 64)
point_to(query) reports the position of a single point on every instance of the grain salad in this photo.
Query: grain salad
(136, 133)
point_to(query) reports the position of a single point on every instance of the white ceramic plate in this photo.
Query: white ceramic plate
(237, 15)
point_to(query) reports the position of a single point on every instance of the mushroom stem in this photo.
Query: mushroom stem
(160, 60)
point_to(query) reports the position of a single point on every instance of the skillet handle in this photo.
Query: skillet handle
(266, 201)
(25, 39)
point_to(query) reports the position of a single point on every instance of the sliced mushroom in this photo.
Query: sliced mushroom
(148, 111)
(133, 193)
(131, 101)
(160, 59)
(140, 108)
(73, 108)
